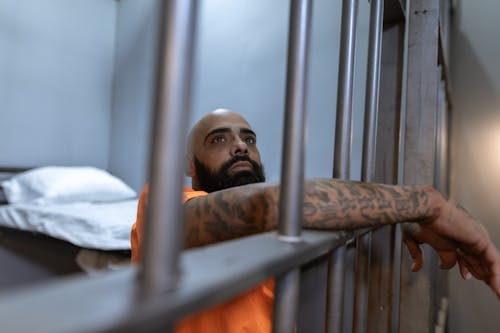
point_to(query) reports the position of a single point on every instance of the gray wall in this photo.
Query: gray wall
(475, 147)
(239, 64)
(133, 90)
(56, 71)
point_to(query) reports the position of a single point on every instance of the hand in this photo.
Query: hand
(456, 237)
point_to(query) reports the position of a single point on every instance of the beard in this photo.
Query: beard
(210, 181)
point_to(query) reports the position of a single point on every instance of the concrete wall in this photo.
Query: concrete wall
(136, 48)
(56, 71)
(240, 63)
(475, 148)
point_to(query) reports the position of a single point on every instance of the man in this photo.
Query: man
(229, 199)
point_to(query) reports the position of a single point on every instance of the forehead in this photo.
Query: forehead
(233, 122)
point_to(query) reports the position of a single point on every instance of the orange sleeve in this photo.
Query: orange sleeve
(190, 194)
(249, 312)
(136, 233)
(138, 227)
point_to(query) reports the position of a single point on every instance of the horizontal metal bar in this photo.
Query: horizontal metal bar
(211, 275)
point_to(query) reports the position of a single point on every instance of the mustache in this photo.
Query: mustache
(239, 158)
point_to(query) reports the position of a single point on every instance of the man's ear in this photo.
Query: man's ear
(190, 165)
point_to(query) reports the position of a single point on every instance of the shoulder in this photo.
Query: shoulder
(189, 194)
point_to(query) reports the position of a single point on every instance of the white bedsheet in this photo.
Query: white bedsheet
(103, 226)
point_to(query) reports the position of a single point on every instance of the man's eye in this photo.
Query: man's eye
(218, 139)
(250, 140)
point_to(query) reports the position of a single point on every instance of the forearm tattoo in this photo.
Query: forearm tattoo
(328, 204)
(347, 205)
(229, 214)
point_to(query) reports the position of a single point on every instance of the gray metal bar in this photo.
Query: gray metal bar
(108, 302)
(312, 295)
(164, 228)
(292, 168)
(335, 300)
(398, 235)
(372, 90)
(341, 158)
(361, 284)
(368, 159)
(286, 295)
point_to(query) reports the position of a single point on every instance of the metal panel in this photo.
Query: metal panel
(381, 292)
(163, 230)
(417, 300)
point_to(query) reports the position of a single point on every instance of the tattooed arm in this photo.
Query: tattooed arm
(328, 204)
(336, 205)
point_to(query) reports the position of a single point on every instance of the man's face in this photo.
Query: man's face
(224, 153)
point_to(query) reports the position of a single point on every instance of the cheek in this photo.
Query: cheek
(254, 155)
(214, 159)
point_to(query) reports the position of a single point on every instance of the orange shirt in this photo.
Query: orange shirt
(249, 312)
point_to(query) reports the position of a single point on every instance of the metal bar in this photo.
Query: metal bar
(335, 298)
(341, 158)
(363, 245)
(372, 90)
(164, 228)
(361, 284)
(398, 237)
(108, 302)
(286, 301)
(312, 295)
(292, 168)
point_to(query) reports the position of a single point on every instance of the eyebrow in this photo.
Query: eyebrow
(243, 130)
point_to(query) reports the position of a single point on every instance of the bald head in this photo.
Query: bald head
(213, 120)
(223, 145)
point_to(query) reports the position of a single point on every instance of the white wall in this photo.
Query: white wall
(56, 71)
(475, 148)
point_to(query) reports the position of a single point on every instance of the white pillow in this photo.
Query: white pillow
(65, 184)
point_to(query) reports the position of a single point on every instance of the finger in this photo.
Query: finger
(491, 258)
(475, 266)
(416, 254)
(464, 269)
(447, 259)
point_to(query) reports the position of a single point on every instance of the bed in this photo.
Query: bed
(62, 220)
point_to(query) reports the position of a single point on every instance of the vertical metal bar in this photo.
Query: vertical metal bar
(368, 159)
(341, 159)
(342, 152)
(286, 301)
(164, 228)
(398, 236)
(292, 169)
(335, 299)
(372, 90)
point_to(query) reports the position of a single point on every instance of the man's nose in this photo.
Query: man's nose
(239, 147)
